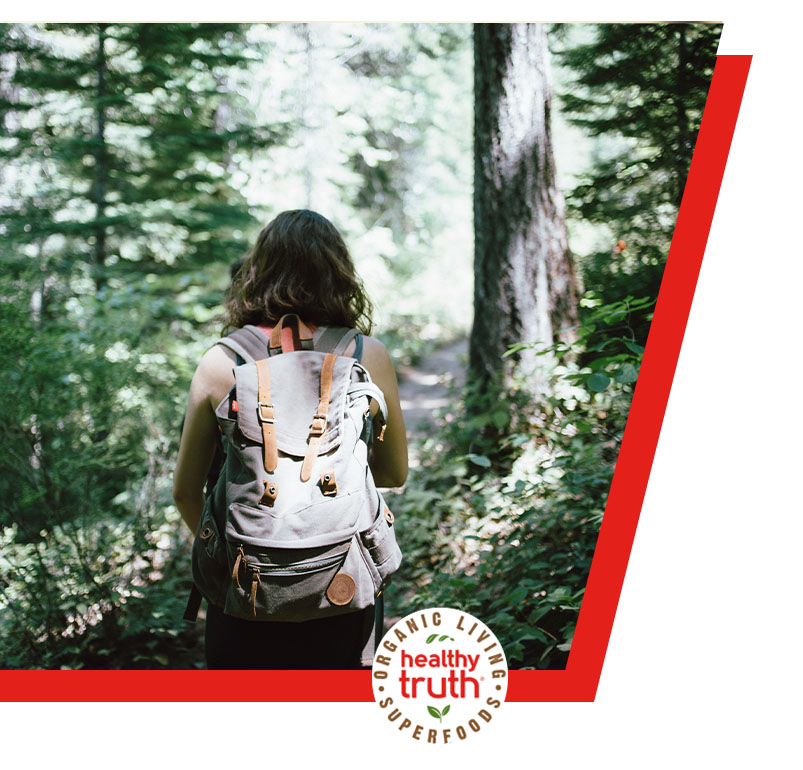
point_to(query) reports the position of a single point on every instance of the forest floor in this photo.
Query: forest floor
(424, 388)
(427, 386)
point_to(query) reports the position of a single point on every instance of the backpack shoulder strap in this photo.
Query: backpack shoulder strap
(249, 343)
(325, 338)
(252, 345)
(335, 339)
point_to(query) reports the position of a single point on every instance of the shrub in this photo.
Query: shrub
(511, 540)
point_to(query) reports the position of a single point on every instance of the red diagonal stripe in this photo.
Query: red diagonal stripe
(650, 396)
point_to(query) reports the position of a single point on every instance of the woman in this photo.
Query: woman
(299, 264)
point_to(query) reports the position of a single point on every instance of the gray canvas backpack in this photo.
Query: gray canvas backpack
(295, 528)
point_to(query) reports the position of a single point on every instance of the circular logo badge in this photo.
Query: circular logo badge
(439, 676)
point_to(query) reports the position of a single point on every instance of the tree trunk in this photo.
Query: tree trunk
(101, 160)
(524, 281)
(684, 134)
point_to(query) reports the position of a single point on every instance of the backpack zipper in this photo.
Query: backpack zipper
(277, 570)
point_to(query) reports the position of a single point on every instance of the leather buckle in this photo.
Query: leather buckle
(318, 430)
(262, 417)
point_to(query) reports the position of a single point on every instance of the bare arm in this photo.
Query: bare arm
(212, 380)
(389, 457)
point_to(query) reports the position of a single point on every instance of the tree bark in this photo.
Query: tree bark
(525, 289)
(101, 160)
(684, 133)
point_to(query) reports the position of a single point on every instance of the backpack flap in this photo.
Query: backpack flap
(295, 391)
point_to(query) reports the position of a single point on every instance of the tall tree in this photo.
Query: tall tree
(383, 147)
(640, 88)
(135, 132)
(524, 279)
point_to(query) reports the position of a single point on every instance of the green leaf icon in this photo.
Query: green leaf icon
(431, 638)
(445, 711)
(445, 637)
(434, 713)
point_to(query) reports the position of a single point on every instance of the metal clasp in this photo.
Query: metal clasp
(260, 416)
(318, 430)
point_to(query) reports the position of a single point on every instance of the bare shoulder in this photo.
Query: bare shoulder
(376, 359)
(375, 356)
(214, 377)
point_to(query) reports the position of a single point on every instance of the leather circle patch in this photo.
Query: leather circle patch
(341, 590)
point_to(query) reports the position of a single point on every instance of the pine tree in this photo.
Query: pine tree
(122, 139)
(118, 144)
(642, 88)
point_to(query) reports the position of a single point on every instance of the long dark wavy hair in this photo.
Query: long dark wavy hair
(299, 264)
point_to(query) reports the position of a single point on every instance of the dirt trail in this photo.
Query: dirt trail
(428, 386)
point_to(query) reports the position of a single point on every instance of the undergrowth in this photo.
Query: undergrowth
(506, 530)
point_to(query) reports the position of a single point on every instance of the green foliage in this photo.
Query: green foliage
(109, 295)
(511, 541)
(640, 89)
(382, 145)
(120, 142)
(137, 161)
(89, 573)
(92, 366)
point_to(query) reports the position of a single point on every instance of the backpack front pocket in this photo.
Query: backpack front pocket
(281, 584)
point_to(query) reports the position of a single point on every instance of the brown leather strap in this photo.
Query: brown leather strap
(265, 416)
(239, 561)
(277, 341)
(254, 585)
(318, 426)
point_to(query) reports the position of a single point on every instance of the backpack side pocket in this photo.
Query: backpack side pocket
(209, 560)
(380, 549)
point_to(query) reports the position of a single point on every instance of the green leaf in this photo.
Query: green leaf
(628, 373)
(516, 348)
(517, 595)
(632, 346)
(445, 711)
(434, 712)
(431, 638)
(480, 460)
(598, 382)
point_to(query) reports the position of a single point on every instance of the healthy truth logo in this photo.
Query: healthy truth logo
(439, 676)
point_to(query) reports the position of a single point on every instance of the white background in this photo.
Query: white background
(703, 665)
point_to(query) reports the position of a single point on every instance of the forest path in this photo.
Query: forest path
(429, 385)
